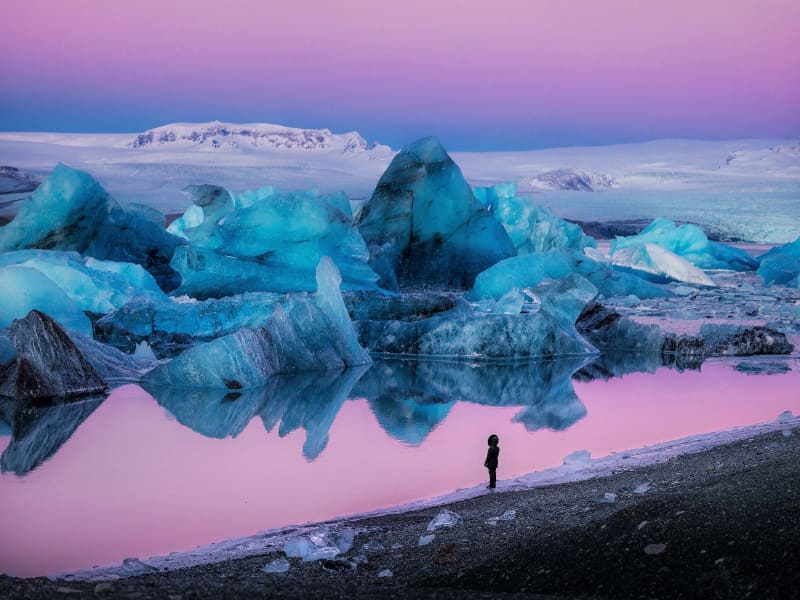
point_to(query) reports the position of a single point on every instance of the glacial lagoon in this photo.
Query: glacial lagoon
(140, 473)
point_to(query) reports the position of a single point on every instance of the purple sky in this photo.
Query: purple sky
(480, 75)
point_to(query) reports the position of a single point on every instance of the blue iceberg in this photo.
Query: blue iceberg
(528, 270)
(93, 285)
(531, 228)
(659, 265)
(26, 289)
(782, 265)
(264, 240)
(689, 242)
(423, 224)
(311, 334)
(71, 211)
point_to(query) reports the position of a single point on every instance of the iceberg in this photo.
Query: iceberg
(528, 270)
(423, 224)
(531, 228)
(71, 211)
(781, 265)
(27, 289)
(269, 241)
(690, 243)
(47, 363)
(659, 265)
(313, 334)
(93, 285)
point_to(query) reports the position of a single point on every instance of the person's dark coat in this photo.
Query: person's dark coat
(491, 457)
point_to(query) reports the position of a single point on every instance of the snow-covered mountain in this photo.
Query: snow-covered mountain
(233, 136)
(576, 180)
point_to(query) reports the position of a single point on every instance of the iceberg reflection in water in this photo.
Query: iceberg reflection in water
(139, 474)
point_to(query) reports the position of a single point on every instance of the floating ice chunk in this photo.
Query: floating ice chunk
(781, 264)
(272, 242)
(385, 573)
(659, 264)
(27, 289)
(786, 432)
(71, 211)
(528, 270)
(642, 487)
(446, 518)
(579, 457)
(531, 228)
(785, 417)
(690, 243)
(279, 565)
(424, 540)
(683, 290)
(423, 224)
(94, 285)
(315, 335)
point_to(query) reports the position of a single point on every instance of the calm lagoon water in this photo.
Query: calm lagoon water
(143, 473)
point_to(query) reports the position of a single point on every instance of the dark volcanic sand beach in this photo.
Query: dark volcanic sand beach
(721, 523)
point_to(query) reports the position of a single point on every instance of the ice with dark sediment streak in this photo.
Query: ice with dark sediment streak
(423, 224)
(47, 363)
(314, 334)
(71, 211)
(532, 228)
(690, 243)
(781, 265)
(266, 240)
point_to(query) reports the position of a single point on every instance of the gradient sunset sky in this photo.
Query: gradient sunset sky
(481, 75)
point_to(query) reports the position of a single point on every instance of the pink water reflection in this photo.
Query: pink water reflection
(134, 482)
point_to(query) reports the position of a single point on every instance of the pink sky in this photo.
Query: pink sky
(520, 73)
(131, 482)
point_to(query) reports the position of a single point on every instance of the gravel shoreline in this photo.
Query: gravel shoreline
(720, 523)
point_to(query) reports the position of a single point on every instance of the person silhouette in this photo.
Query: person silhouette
(491, 460)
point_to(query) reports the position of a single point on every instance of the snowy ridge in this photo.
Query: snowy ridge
(576, 180)
(232, 136)
(273, 539)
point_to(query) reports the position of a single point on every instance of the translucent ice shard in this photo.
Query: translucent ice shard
(279, 565)
(423, 224)
(659, 264)
(689, 242)
(313, 334)
(446, 518)
(71, 211)
(531, 228)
